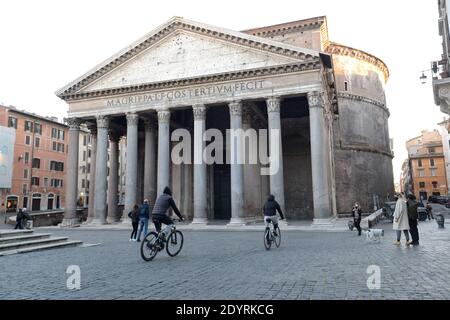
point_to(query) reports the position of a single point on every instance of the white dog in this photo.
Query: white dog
(374, 234)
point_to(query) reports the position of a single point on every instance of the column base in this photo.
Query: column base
(99, 221)
(89, 220)
(200, 221)
(112, 220)
(236, 222)
(70, 223)
(324, 223)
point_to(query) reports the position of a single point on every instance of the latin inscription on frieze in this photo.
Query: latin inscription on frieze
(188, 93)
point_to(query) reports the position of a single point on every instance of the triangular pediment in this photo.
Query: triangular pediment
(182, 49)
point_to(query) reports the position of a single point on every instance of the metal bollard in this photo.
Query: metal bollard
(440, 220)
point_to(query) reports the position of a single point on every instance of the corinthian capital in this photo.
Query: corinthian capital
(235, 108)
(273, 104)
(315, 99)
(163, 116)
(73, 123)
(199, 111)
(102, 122)
(132, 119)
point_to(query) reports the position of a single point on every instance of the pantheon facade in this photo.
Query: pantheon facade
(326, 99)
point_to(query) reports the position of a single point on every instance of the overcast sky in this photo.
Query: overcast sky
(46, 44)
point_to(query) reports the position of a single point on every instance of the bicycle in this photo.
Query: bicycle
(155, 242)
(272, 234)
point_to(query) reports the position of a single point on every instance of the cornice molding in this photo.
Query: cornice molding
(312, 64)
(354, 97)
(357, 148)
(173, 26)
(338, 49)
(286, 28)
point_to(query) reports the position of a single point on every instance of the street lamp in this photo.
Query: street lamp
(434, 70)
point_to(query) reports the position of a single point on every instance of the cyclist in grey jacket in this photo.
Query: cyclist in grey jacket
(162, 204)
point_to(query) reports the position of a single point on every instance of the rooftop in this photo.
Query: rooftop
(34, 115)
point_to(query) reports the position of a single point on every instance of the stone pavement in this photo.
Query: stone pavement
(235, 265)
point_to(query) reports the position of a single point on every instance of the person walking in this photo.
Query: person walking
(357, 214)
(19, 218)
(144, 216)
(401, 222)
(134, 215)
(413, 216)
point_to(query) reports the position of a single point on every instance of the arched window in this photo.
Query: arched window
(50, 201)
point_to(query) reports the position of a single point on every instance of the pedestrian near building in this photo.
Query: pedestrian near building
(144, 216)
(134, 215)
(413, 216)
(357, 214)
(19, 218)
(401, 222)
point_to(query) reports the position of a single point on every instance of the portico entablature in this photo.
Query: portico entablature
(294, 83)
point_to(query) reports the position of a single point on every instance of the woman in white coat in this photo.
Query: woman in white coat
(401, 222)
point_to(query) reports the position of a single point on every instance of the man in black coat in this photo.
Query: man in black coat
(357, 215)
(413, 216)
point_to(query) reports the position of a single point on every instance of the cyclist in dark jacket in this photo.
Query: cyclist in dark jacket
(162, 204)
(270, 212)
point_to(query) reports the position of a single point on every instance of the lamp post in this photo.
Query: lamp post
(433, 70)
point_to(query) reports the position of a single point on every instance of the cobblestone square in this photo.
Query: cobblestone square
(235, 265)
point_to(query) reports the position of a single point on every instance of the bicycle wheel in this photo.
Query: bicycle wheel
(148, 246)
(267, 239)
(277, 239)
(174, 243)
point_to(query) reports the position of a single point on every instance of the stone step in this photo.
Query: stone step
(25, 237)
(42, 247)
(18, 245)
(13, 233)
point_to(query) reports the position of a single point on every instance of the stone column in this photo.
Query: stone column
(101, 170)
(274, 127)
(70, 212)
(131, 165)
(200, 178)
(113, 184)
(252, 183)
(163, 150)
(237, 173)
(319, 158)
(91, 214)
(150, 160)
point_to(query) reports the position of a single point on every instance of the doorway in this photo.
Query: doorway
(36, 202)
(58, 203)
(50, 201)
(222, 192)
